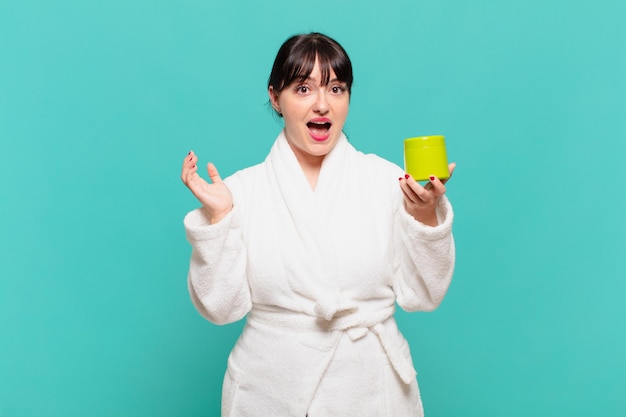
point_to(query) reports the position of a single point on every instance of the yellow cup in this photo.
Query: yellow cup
(425, 156)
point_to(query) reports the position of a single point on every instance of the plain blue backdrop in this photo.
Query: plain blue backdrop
(101, 100)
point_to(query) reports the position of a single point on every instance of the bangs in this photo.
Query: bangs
(299, 57)
(300, 68)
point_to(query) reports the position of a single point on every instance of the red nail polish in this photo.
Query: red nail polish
(400, 179)
(432, 178)
(406, 176)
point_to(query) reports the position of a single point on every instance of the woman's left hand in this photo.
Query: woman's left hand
(421, 201)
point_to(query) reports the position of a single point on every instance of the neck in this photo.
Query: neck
(311, 168)
(310, 164)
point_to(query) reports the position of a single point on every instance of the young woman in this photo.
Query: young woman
(315, 246)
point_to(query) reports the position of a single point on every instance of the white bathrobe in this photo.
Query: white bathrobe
(318, 274)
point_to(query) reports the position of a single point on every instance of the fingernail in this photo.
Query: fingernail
(400, 179)
(406, 176)
(432, 178)
(189, 153)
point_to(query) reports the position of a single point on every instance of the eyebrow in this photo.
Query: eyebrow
(313, 80)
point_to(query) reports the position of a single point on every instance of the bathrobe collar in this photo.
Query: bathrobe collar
(309, 210)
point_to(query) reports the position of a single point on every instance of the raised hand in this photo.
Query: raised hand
(215, 197)
(421, 201)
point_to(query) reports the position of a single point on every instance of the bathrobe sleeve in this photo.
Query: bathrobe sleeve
(217, 278)
(424, 259)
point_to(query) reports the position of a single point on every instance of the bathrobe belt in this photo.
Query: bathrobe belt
(355, 325)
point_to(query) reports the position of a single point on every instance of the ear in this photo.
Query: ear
(273, 98)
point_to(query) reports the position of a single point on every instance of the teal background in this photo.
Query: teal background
(101, 100)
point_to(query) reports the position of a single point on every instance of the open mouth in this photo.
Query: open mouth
(319, 129)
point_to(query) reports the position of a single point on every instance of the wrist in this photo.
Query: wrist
(426, 217)
(216, 217)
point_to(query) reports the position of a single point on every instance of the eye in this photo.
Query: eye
(302, 89)
(338, 89)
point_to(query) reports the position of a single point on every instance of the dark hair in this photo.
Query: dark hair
(296, 59)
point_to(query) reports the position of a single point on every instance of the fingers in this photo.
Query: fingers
(189, 167)
(437, 186)
(417, 193)
(451, 167)
(213, 173)
(413, 191)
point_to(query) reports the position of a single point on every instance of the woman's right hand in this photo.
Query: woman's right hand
(216, 199)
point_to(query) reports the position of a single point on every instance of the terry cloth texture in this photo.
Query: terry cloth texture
(318, 274)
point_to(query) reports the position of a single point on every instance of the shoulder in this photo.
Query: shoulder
(246, 177)
(378, 167)
(378, 177)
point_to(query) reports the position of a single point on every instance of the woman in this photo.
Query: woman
(316, 245)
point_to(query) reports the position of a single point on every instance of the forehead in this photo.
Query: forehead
(318, 74)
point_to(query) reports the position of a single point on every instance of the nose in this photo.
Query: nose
(321, 103)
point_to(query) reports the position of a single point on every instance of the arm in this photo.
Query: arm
(217, 272)
(424, 252)
(217, 278)
(424, 258)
